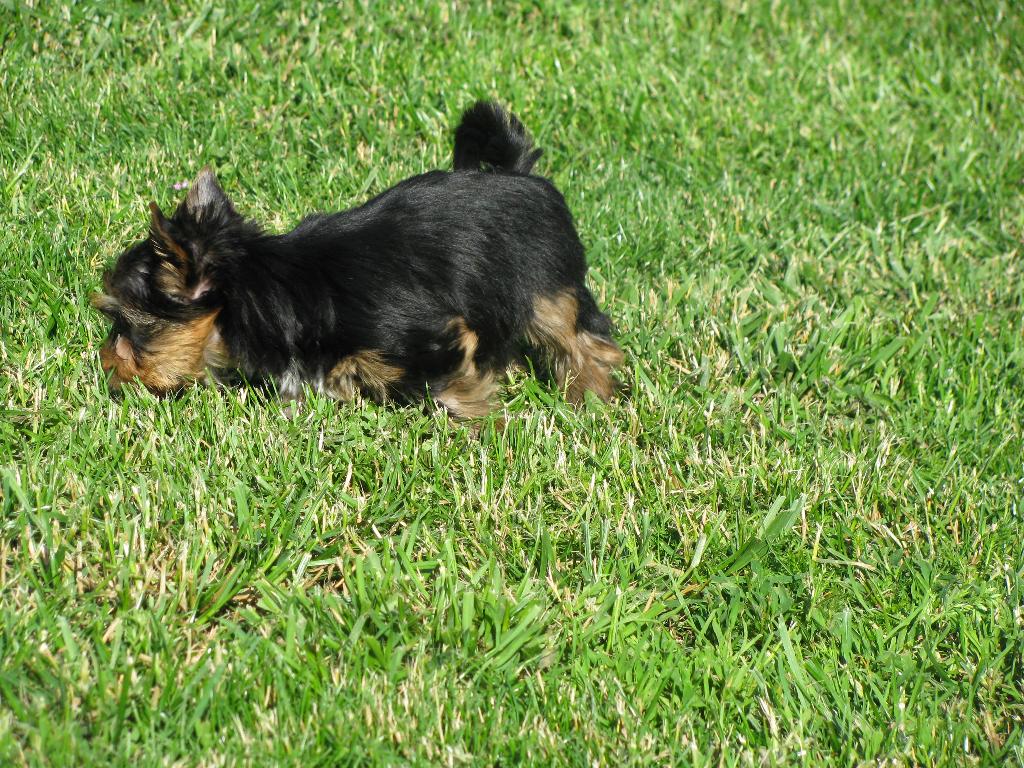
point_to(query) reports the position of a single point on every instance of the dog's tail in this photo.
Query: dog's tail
(490, 137)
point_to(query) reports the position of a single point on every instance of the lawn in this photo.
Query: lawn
(798, 540)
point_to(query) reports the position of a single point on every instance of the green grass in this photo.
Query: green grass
(799, 541)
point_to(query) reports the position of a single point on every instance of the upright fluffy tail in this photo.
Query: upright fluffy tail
(489, 136)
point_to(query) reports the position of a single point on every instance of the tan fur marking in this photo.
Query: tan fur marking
(176, 356)
(599, 358)
(174, 267)
(468, 395)
(469, 392)
(117, 369)
(579, 360)
(363, 372)
(468, 340)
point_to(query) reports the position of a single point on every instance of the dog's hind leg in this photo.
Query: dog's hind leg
(574, 338)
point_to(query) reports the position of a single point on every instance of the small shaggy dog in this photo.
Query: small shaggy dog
(433, 287)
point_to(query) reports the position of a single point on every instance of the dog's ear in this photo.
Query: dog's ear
(188, 243)
(177, 272)
(206, 204)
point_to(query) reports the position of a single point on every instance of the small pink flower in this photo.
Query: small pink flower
(181, 185)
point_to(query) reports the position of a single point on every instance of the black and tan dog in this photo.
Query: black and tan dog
(432, 287)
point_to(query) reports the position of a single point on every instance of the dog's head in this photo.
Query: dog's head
(164, 293)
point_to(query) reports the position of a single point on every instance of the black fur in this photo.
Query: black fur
(489, 135)
(390, 275)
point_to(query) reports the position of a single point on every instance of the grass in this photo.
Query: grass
(798, 541)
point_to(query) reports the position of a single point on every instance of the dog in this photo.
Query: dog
(432, 288)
